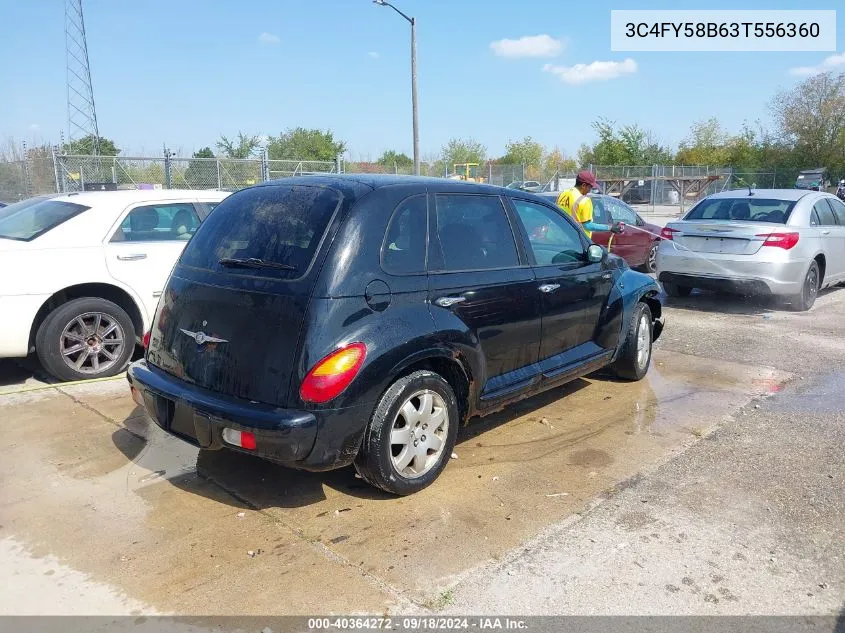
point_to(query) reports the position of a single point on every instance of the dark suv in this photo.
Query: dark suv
(321, 321)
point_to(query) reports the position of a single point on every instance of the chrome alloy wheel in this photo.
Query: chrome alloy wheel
(92, 342)
(418, 434)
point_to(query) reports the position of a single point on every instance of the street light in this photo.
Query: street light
(413, 22)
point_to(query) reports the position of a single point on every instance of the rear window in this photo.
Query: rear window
(742, 210)
(32, 218)
(276, 225)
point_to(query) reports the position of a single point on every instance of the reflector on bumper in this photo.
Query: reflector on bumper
(244, 439)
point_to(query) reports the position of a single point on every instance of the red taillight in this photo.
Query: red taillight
(666, 233)
(780, 240)
(248, 440)
(146, 340)
(328, 378)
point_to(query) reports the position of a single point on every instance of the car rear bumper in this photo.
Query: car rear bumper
(747, 274)
(310, 440)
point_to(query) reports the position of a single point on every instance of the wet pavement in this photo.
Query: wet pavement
(140, 522)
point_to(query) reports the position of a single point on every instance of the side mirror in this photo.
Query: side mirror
(595, 253)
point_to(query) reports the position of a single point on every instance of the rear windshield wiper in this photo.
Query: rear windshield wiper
(253, 262)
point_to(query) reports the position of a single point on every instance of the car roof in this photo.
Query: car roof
(129, 196)
(776, 194)
(376, 181)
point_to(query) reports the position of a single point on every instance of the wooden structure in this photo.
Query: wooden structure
(687, 187)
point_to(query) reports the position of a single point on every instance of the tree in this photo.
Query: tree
(304, 144)
(85, 146)
(556, 161)
(705, 145)
(242, 147)
(628, 145)
(459, 150)
(390, 158)
(526, 152)
(812, 117)
(201, 173)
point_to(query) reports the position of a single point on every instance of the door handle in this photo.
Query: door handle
(132, 258)
(549, 287)
(825, 232)
(445, 302)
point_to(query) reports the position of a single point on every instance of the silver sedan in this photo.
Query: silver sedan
(784, 242)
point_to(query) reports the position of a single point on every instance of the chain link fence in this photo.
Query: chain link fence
(653, 188)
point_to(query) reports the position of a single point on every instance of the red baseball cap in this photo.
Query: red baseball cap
(588, 178)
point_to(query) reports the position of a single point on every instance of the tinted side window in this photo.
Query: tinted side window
(403, 252)
(553, 240)
(838, 210)
(474, 232)
(825, 213)
(158, 223)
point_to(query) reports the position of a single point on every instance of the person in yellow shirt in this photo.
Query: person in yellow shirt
(576, 202)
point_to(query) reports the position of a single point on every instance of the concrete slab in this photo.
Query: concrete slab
(87, 480)
(133, 514)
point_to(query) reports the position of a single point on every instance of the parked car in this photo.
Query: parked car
(82, 273)
(326, 320)
(815, 179)
(637, 245)
(789, 243)
(526, 185)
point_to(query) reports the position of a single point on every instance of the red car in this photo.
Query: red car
(637, 244)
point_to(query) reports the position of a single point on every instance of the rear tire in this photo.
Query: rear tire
(85, 338)
(650, 264)
(410, 437)
(674, 290)
(635, 356)
(805, 299)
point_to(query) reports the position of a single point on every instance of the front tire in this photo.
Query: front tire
(635, 356)
(411, 435)
(85, 338)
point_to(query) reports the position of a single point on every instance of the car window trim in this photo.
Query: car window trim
(424, 271)
(435, 236)
(823, 202)
(585, 244)
(131, 207)
(830, 203)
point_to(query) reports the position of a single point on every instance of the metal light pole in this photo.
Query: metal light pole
(413, 23)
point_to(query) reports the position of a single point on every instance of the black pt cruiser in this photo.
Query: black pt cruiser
(322, 321)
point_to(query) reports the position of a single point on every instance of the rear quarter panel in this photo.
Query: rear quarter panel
(395, 324)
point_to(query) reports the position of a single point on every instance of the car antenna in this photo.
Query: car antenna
(750, 193)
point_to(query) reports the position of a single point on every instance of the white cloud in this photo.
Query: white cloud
(373, 54)
(829, 63)
(596, 71)
(268, 38)
(528, 46)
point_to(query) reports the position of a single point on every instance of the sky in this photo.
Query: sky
(183, 72)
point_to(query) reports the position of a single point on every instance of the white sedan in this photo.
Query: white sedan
(81, 273)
